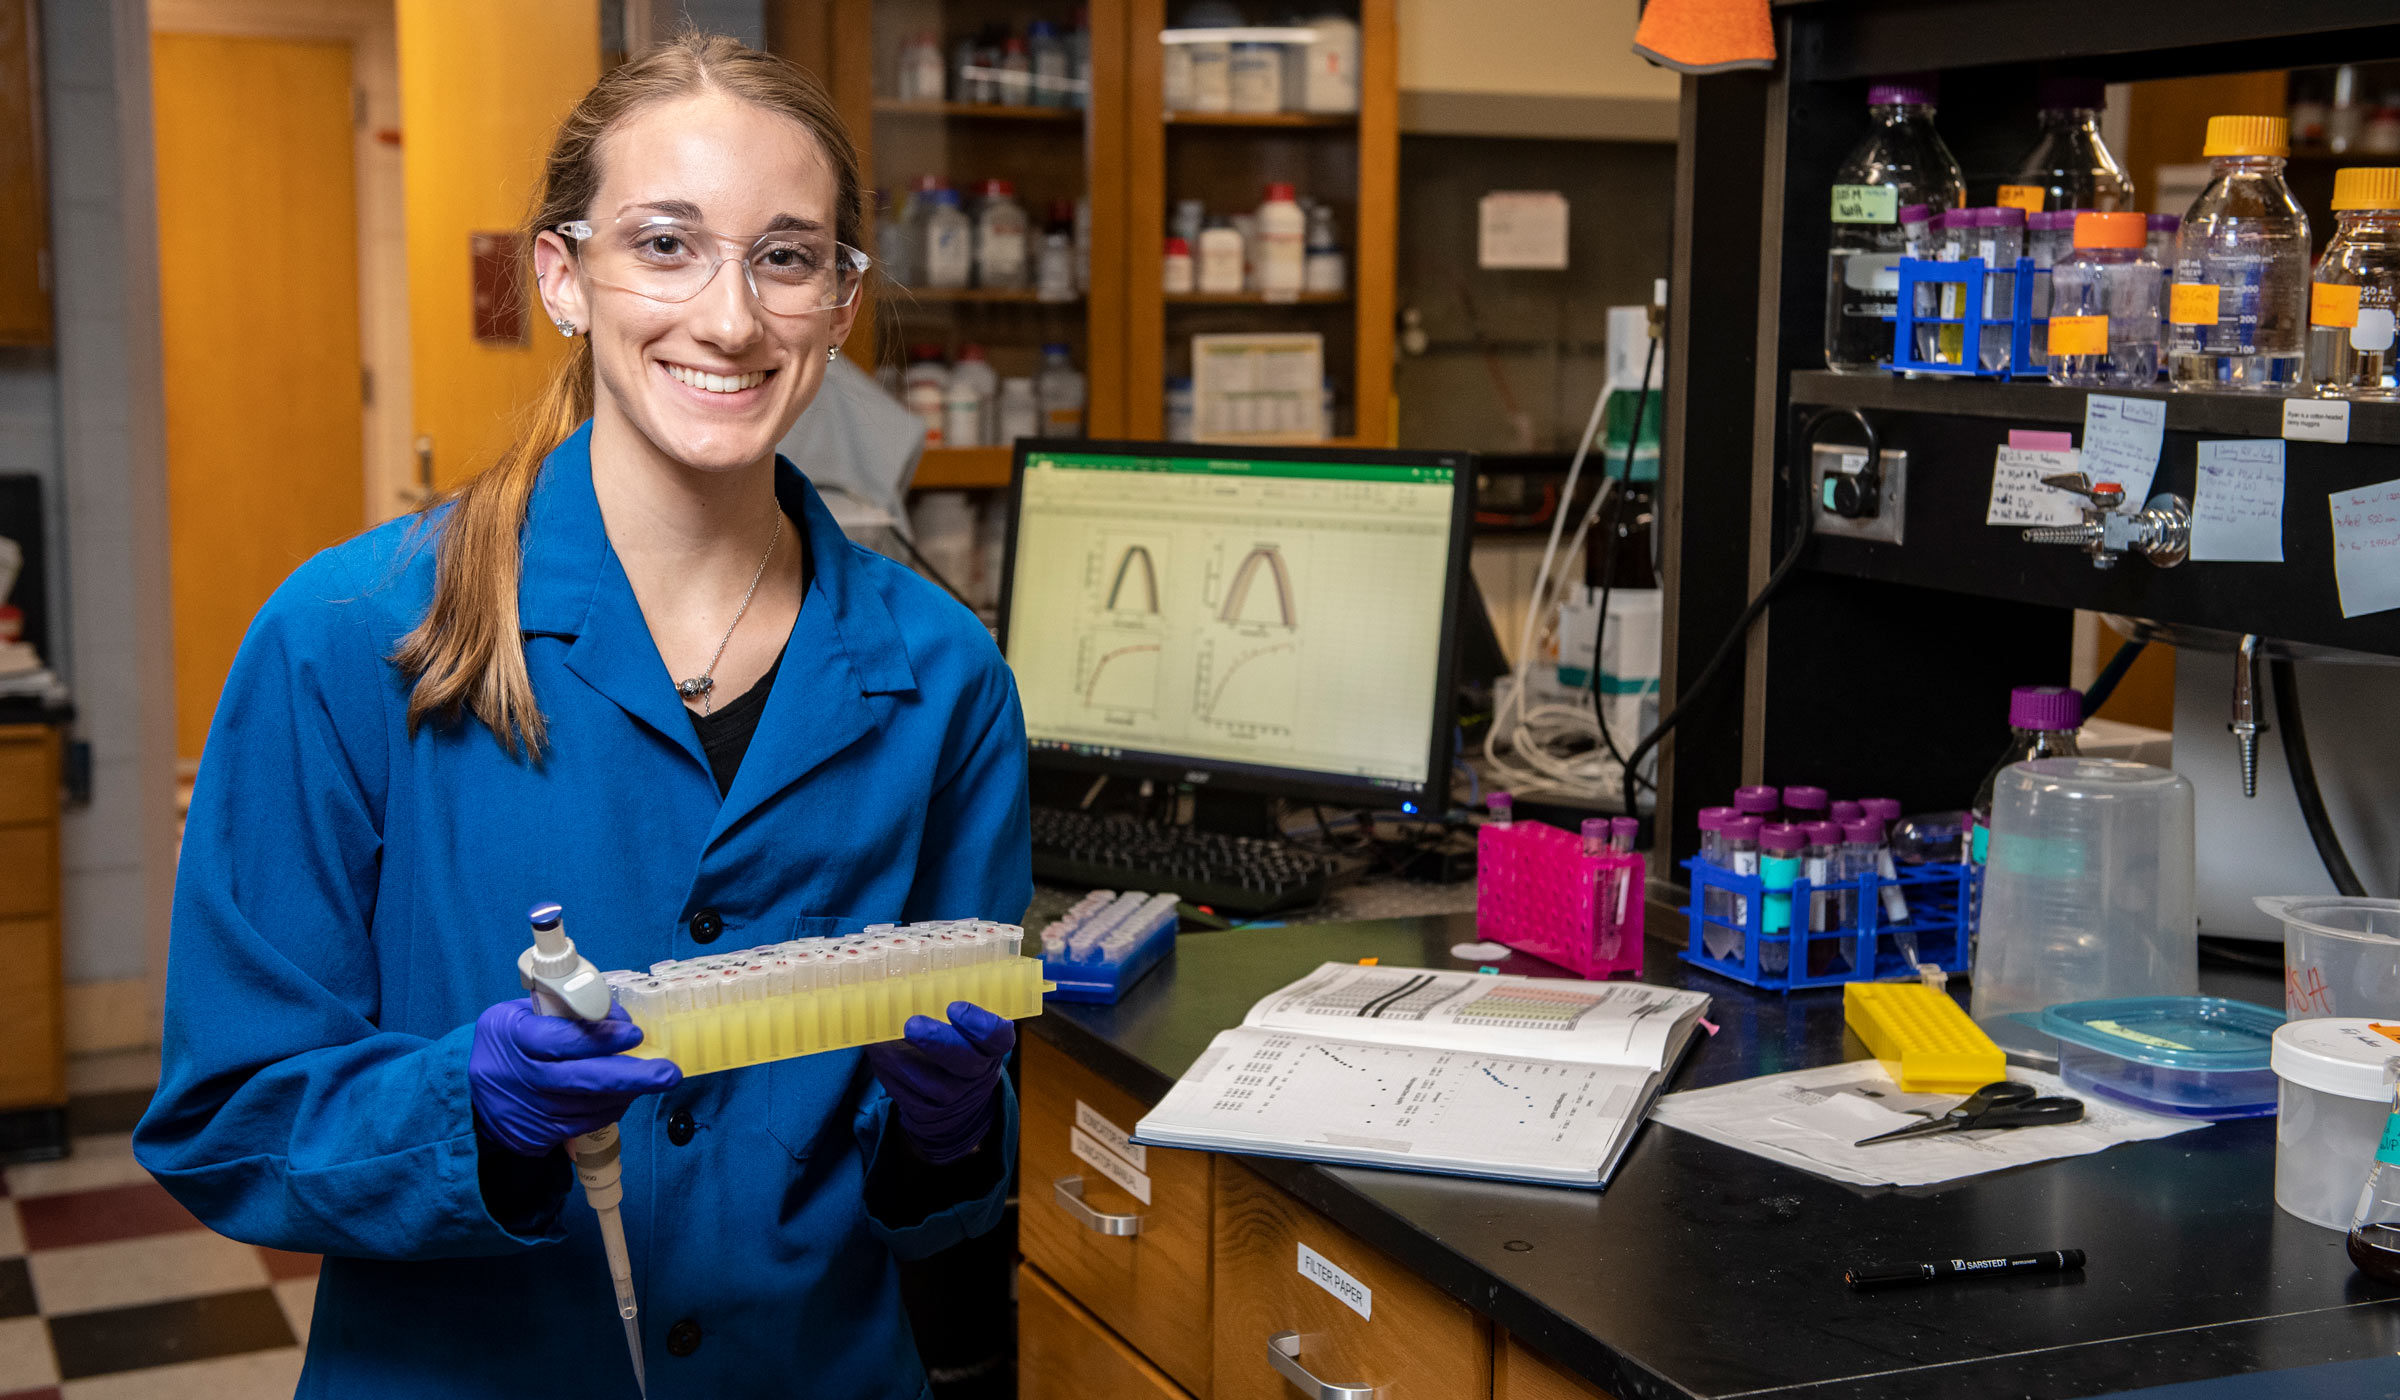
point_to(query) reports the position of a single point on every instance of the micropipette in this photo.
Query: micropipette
(564, 983)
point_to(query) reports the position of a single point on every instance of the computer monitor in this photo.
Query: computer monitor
(1272, 619)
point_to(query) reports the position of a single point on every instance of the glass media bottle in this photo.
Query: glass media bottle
(2070, 166)
(1901, 162)
(2357, 289)
(2237, 315)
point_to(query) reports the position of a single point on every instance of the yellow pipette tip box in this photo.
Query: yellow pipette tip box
(1925, 1042)
(808, 1021)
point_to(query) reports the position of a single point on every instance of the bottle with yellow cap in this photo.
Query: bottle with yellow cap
(2237, 312)
(2104, 320)
(2356, 292)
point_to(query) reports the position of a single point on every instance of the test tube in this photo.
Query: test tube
(1622, 833)
(1885, 811)
(1501, 806)
(1758, 801)
(2000, 244)
(1741, 858)
(1820, 864)
(1712, 850)
(1803, 803)
(1781, 846)
(1595, 836)
(1952, 229)
(1844, 812)
(1862, 840)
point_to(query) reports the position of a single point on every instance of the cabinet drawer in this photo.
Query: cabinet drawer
(34, 1071)
(1063, 1353)
(1521, 1373)
(28, 870)
(1390, 1332)
(28, 775)
(1151, 1286)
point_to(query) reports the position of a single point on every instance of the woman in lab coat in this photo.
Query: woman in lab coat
(441, 722)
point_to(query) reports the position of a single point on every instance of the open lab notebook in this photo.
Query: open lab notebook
(1517, 1078)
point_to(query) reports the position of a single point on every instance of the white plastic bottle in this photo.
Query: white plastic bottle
(1254, 77)
(1325, 271)
(962, 412)
(1053, 65)
(1060, 388)
(2104, 314)
(2237, 316)
(1282, 256)
(1220, 258)
(1179, 273)
(1175, 76)
(1054, 276)
(1020, 411)
(1212, 76)
(1179, 410)
(949, 258)
(1000, 237)
(975, 372)
(921, 69)
(1016, 73)
(924, 388)
(1329, 81)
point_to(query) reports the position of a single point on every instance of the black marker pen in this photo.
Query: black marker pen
(2046, 1261)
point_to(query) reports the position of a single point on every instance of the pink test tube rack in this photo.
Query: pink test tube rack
(1536, 891)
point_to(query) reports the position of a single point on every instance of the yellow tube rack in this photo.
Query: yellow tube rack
(785, 1000)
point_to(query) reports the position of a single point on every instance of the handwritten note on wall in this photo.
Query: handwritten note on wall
(2121, 439)
(2020, 498)
(2366, 547)
(2237, 503)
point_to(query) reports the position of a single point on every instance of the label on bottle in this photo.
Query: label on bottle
(2192, 304)
(2124, 1032)
(2029, 198)
(2079, 335)
(2330, 304)
(1866, 204)
(2388, 1150)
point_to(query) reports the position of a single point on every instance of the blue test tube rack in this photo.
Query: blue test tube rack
(1940, 900)
(1967, 274)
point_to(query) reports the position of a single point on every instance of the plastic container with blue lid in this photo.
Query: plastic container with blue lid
(2184, 1057)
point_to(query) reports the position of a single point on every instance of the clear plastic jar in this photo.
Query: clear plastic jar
(1901, 162)
(2237, 316)
(2104, 313)
(2357, 289)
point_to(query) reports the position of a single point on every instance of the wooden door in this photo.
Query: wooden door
(258, 301)
(482, 90)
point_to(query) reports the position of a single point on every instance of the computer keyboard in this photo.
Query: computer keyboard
(1230, 874)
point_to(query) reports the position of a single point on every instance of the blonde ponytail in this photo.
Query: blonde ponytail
(468, 656)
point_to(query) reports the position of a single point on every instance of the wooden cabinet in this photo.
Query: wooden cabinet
(1520, 1373)
(1341, 1313)
(1063, 1353)
(34, 1072)
(24, 188)
(1151, 1286)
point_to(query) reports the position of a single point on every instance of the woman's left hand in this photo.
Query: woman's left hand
(944, 1079)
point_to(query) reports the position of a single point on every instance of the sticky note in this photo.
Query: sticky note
(2330, 304)
(2192, 304)
(2078, 335)
(2366, 547)
(2237, 502)
(2121, 438)
(2026, 197)
(2018, 495)
(2317, 420)
(2040, 440)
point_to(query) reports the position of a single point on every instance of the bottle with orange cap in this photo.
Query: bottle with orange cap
(2104, 311)
(2237, 312)
(2356, 292)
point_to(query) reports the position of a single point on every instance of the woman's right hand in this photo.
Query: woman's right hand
(539, 1080)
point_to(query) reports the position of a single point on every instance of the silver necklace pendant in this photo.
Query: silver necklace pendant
(696, 686)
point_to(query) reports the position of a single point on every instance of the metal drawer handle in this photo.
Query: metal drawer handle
(1283, 1350)
(1068, 1191)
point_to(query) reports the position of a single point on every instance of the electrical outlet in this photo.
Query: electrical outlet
(1886, 515)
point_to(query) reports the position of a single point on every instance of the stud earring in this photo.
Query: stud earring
(565, 327)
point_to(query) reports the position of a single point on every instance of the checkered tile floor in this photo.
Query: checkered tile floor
(111, 1291)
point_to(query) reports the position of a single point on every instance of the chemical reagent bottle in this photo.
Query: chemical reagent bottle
(1901, 162)
(2357, 289)
(2237, 315)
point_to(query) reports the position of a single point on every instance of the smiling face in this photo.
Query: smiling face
(715, 382)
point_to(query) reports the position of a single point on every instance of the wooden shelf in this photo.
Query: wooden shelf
(1256, 299)
(977, 111)
(1264, 119)
(978, 295)
(963, 468)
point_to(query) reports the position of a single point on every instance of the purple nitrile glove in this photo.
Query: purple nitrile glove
(539, 1080)
(944, 1079)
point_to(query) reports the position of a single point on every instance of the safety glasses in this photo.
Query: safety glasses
(792, 272)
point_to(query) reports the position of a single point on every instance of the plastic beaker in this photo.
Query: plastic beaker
(2088, 893)
(2341, 954)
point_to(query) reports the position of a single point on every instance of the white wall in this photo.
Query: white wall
(110, 472)
(1543, 48)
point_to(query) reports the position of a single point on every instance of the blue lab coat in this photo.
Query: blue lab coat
(351, 898)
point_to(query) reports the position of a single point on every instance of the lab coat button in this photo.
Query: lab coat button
(683, 1338)
(706, 925)
(680, 1126)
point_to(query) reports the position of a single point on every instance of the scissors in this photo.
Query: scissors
(2007, 1104)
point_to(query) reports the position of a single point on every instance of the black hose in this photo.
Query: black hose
(2286, 684)
(1607, 524)
(2105, 684)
